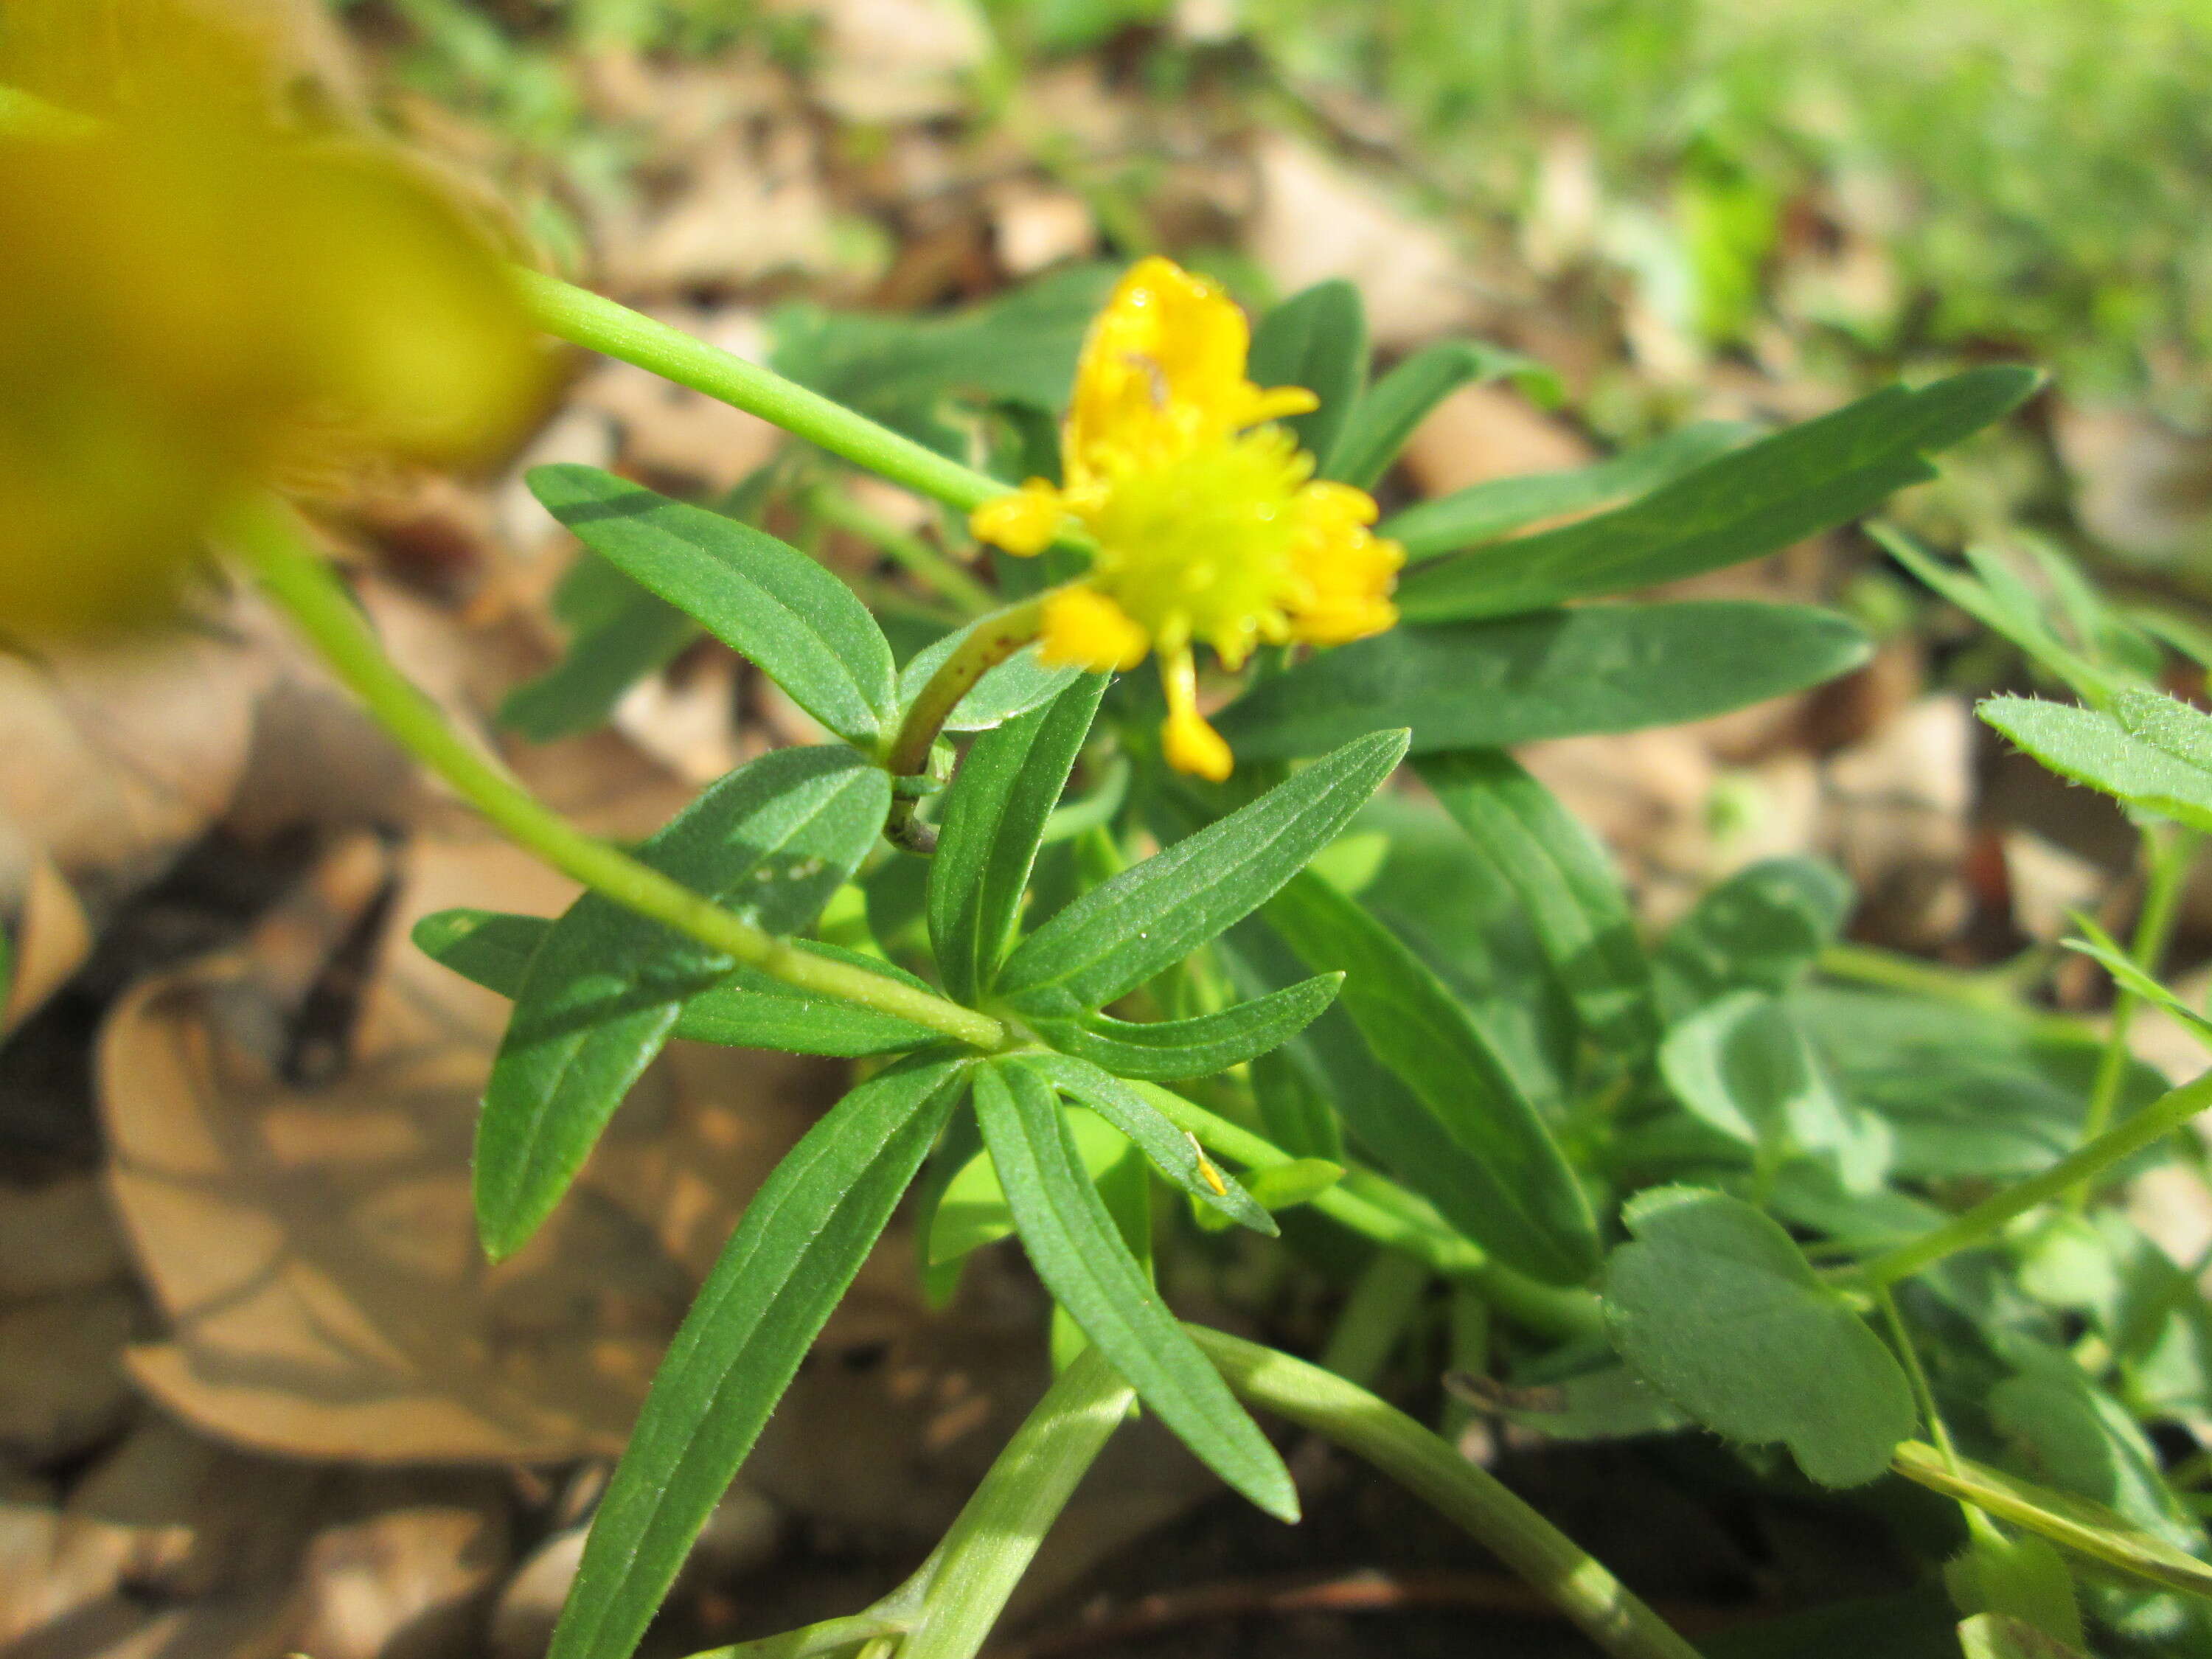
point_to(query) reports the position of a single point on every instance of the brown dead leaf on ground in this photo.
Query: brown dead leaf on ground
(48, 942)
(314, 1250)
(1319, 219)
(118, 757)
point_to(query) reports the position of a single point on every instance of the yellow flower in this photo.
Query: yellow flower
(198, 298)
(1210, 526)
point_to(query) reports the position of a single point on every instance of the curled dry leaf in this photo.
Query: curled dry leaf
(49, 942)
(315, 1251)
(118, 757)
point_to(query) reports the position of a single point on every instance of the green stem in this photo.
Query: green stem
(840, 511)
(321, 609)
(975, 1567)
(1465, 1493)
(1383, 1299)
(989, 642)
(1917, 1374)
(2117, 1145)
(2165, 862)
(1997, 989)
(598, 324)
(1377, 1208)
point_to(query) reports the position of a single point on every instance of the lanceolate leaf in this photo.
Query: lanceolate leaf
(1169, 1150)
(1751, 501)
(801, 626)
(773, 841)
(1554, 674)
(1573, 899)
(1170, 1050)
(1401, 399)
(1118, 935)
(1081, 1257)
(994, 814)
(744, 1009)
(1316, 339)
(1513, 1192)
(803, 1238)
(1484, 512)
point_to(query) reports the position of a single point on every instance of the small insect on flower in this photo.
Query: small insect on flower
(1210, 528)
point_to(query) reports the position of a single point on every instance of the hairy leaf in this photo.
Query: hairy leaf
(1080, 1255)
(994, 816)
(1715, 1307)
(1167, 1051)
(600, 995)
(1119, 934)
(771, 603)
(802, 1239)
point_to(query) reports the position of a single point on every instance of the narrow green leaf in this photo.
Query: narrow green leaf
(601, 994)
(1014, 687)
(1484, 512)
(2002, 603)
(1514, 1192)
(744, 1009)
(1172, 1152)
(620, 633)
(1752, 501)
(492, 947)
(1386, 417)
(1715, 1307)
(1317, 338)
(1566, 884)
(2073, 1523)
(970, 1212)
(1554, 674)
(771, 603)
(1119, 934)
(802, 1239)
(2095, 748)
(1078, 1253)
(1168, 1051)
(995, 815)
(2107, 952)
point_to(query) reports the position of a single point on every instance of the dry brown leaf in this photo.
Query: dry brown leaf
(1484, 432)
(1318, 219)
(61, 1386)
(881, 63)
(49, 942)
(57, 1238)
(118, 757)
(315, 1252)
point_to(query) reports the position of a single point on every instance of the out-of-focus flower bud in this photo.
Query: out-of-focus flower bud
(196, 299)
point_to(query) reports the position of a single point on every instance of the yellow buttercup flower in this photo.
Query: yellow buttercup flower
(1210, 528)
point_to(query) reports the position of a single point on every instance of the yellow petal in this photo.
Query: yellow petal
(1193, 747)
(1083, 626)
(1024, 522)
(1163, 366)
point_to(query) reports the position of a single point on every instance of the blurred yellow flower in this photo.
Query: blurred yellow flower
(195, 301)
(1210, 525)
